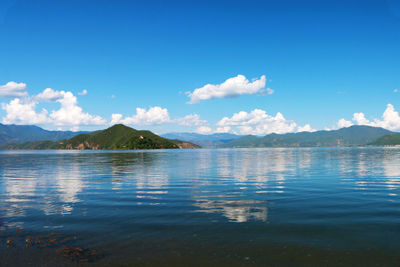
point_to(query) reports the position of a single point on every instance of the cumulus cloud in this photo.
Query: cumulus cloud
(115, 118)
(190, 120)
(155, 115)
(258, 122)
(13, 89)
(305, 128)
(158, 115)
(204, 130)
(72, 114)
(344, 123)
(225, 129)
(232, 87)
(23, 111)
(49, 95)
(390, 120)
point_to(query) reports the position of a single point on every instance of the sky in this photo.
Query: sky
(245, 67)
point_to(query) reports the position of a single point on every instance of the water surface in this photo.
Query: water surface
(306, 206)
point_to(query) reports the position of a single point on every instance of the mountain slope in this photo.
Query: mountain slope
(387, 140)
(10, 133)
(350, 136)
(203, 140)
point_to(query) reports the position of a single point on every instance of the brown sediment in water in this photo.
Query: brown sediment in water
(79, 254)
(54, 240)
(10, 242)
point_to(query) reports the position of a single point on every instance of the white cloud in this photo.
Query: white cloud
(344, 123)
(115, 118)
(396, 90)
(204, 130)
(360, 119)
(23, 112)
(13, 89)
(390, 120)
(84, 92)
(75, 128)
(49, 95)
(190, 120)
(258, 122)
(232, 87)
(20, 111)
(305, 128)
(155, 115)
(225, 129)
(72, 114)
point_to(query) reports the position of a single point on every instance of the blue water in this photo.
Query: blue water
(305, 206)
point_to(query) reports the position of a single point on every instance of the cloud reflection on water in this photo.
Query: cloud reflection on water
(234, 183)
(261, 171)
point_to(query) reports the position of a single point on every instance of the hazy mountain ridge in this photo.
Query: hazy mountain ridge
(356, 135)
(11, 133)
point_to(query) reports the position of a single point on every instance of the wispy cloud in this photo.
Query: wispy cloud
(84, 92)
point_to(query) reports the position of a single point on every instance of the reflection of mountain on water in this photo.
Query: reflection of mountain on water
(235, 210)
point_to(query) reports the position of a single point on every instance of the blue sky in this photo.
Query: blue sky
(323, 60)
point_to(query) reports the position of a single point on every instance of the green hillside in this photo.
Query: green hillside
(33, 145)
(350, 136)
(387, 140)
(116, 137)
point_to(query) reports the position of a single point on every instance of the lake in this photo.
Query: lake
(273, 206)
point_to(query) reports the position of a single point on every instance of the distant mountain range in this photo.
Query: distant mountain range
(204, 140)
(116, 137)
(123, 137)
(24, 133)
(351, 136)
